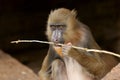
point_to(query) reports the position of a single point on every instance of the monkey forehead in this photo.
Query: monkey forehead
(61, 15)
(62, 11)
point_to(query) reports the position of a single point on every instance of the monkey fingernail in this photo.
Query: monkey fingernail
(69, 43)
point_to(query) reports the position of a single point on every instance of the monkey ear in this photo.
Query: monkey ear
(51, 11)
(74, 12)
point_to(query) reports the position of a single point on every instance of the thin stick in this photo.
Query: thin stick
(18, 41)
(85, 49)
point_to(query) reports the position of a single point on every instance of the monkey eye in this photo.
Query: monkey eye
(57, 26)
(61, 28)
(53, 27)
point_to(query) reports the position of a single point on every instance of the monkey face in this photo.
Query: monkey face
(60, 26)
(57, 31)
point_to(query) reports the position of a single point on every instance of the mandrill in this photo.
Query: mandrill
(65, 62)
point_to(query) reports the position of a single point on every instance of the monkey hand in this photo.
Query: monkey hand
(62, 51)
(66, 48)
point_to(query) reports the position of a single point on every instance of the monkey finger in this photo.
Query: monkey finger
(66, 48)
(69, 44)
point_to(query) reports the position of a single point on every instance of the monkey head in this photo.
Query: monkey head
(60, 25)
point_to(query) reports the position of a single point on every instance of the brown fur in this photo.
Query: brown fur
(79, 35)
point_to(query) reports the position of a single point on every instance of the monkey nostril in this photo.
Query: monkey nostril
(55, 40)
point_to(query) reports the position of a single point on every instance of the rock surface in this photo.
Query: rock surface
(11, 69)
(114, 74)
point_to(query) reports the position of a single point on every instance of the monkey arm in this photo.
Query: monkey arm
(45, 72)
(91, 61)
(42, 73)
(94, 65)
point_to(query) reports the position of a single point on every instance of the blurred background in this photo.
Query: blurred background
(26, 19)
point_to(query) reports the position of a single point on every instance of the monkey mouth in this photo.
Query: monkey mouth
(57, 45)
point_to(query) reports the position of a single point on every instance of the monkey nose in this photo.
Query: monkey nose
(56, 40)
